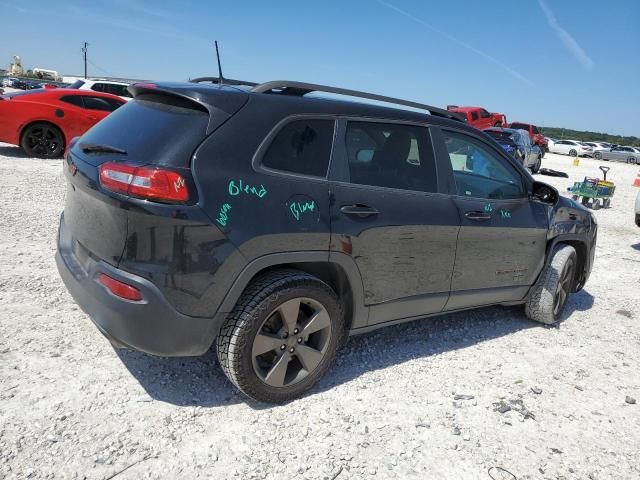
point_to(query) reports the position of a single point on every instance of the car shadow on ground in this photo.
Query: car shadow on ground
(13, 152)
(199, 381)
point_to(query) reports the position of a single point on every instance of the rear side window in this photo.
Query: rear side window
(73, 100)
(302, 147)
(480, 172)
(113, 89)
(100, 103)
(154, 128)
(390, 155)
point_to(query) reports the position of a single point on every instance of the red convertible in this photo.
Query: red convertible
(43, 121)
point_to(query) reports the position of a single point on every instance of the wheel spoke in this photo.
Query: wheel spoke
(318, 322)
(264, 343)
(289, 312)
(309, 357)
(276, 375)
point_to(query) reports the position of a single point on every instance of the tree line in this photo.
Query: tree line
(583, 136)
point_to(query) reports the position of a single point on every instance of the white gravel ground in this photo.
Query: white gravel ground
(72, 407)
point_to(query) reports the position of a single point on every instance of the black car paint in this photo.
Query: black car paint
(399, 264)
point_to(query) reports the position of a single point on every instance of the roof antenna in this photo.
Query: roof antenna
(220, 77)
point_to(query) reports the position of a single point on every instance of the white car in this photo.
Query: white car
(571, 147)
(598, 146)
(105, 86)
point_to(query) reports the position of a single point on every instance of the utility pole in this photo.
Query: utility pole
(84, 54)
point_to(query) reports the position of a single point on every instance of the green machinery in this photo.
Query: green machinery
(594, 193)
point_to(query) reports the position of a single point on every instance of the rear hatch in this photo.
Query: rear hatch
(161, 128)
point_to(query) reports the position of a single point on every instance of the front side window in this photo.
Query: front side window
(302, 147)
(391, 155)
(484, 113)
(535, 130)
(480, 172)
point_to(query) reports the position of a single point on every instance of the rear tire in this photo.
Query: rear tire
(597, 156)
(42, 140)
(262, 347)
(573, 153)
(596, 204)
(548, 299)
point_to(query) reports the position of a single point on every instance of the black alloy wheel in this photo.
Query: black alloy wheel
(42, 140)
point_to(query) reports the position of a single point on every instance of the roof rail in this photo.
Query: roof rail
(225, 81)
(287, 87)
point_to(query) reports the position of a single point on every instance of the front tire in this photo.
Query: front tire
(549, 297)
(42, 140)
(597, 156)
(537, 165)
(282, 336)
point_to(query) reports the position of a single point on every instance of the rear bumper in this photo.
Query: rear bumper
(151, 325)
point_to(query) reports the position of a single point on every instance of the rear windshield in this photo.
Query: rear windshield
(520, 126)
(153, 128)
(76, 84)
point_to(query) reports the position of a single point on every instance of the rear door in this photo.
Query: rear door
(389, 214)
(502, 240)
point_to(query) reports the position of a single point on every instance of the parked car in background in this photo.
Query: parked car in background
(103, 86)
(220, 231)
(571, 147)
(517, 143)
(534, 134)
(17, 83)
(479, 117)
(619, 154)
(599, 145)
(43, 121)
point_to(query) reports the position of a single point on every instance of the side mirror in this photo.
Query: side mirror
(544, 193)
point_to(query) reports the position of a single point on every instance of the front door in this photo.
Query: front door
(387, 213)
(502, 240)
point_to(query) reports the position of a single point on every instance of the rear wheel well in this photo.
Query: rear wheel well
(330, 273)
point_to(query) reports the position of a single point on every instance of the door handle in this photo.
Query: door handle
(361, 211)
(478, 216)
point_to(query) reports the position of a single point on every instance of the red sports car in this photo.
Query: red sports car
(43, 121)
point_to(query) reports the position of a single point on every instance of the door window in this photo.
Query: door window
(303, 147)
(484, 113)
(73, 100)
(474, 116)
(479, 171)
(100, 103)
(390, 155)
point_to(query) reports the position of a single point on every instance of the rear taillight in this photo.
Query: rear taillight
(120, 289)
(150, 183)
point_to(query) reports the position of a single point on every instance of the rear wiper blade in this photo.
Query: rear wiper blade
(92, 148)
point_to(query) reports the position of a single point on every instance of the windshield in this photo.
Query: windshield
(76, 84)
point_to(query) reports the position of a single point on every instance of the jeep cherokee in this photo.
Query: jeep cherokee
(273, 224)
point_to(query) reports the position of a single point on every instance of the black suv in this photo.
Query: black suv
(276, 223)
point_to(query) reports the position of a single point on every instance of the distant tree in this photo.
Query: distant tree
(586, 136)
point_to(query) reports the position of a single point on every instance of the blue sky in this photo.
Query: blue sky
(573, 64)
